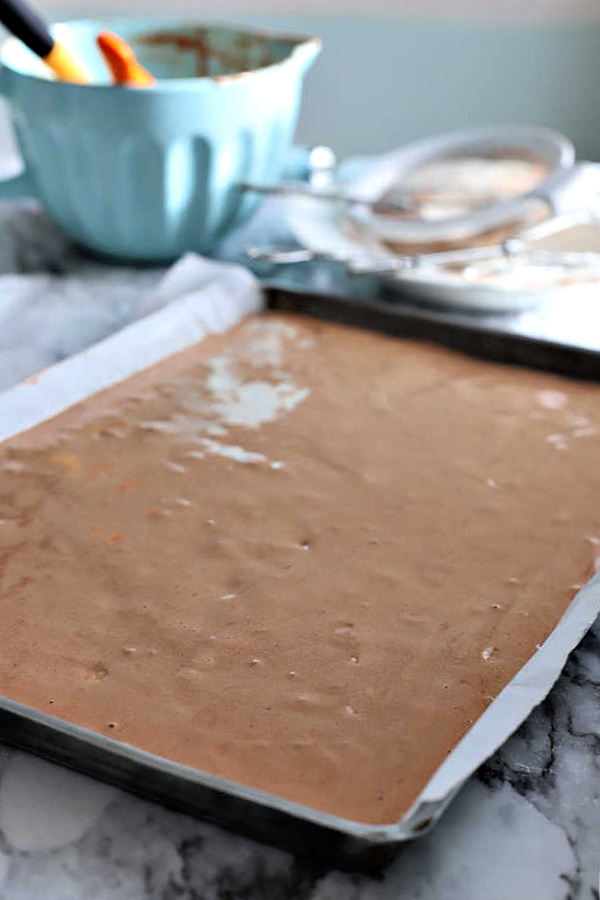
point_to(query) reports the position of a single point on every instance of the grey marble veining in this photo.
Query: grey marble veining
(525, 827)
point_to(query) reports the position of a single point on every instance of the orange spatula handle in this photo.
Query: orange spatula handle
(121, 61)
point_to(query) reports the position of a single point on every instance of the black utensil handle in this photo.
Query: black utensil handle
(22, 21)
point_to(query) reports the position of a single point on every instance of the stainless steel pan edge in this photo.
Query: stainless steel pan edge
(245, 810)
(282, 822)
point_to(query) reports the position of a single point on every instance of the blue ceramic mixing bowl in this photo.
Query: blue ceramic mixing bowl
(146, 175)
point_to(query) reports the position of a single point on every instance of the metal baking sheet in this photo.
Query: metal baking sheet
(256, 813)
(561, 337)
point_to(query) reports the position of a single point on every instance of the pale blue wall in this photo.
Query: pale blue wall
(381, 82)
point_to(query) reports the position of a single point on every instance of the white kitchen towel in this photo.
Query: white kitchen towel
(55, 302)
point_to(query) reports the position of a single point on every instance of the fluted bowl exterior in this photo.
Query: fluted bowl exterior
(150, 174)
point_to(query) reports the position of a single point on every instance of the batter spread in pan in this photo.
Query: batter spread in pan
(300, 556)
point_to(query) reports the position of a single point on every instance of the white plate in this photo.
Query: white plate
(321, 226)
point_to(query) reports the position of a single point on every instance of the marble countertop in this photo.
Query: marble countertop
(525, 827)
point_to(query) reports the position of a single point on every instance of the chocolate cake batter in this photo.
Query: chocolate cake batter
(300, 556)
